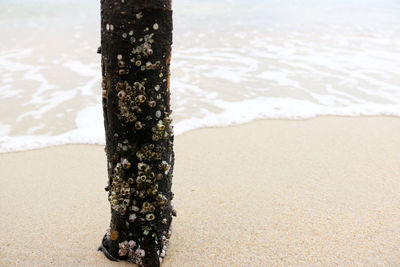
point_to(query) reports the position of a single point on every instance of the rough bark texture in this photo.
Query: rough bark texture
(136, 38)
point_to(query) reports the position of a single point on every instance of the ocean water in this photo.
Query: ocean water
(233, 61)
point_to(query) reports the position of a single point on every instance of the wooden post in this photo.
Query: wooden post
(136, 38)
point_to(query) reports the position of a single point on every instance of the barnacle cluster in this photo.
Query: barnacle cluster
(144, 175)
(150, 152)
(159, 130)
(131, 100)
(141, 52)
(145, 185)
(120, 190)
(130, 249)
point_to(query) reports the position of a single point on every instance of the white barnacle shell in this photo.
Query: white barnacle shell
(125, 163)
(140, 253)
(132, 217)
(132, 243)
(135, 208)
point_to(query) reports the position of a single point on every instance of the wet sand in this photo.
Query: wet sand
(324, 191)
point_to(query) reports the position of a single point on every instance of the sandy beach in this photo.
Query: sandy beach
(323, 191)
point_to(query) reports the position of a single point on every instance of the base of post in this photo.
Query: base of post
(103, 248)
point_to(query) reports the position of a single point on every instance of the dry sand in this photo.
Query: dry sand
(324, 191)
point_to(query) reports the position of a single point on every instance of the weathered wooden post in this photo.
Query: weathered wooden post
(136, 38)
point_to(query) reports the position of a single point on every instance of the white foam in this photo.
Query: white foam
(90, 129)
(235, 113)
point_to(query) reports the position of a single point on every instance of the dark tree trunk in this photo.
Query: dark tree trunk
(136, 38)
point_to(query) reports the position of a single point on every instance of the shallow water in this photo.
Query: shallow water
(233, 62)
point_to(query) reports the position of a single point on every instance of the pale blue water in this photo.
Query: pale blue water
(233, 61)
(219, 14)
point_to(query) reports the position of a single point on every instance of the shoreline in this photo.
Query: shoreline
(256, 120)
(317, 191)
